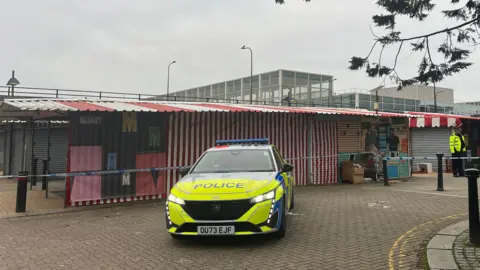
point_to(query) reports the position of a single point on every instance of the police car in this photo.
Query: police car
(238, 187)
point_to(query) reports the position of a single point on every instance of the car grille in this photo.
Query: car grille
(239, 227)
(217, 210)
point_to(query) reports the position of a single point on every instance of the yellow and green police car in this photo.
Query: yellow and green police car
(238, 187)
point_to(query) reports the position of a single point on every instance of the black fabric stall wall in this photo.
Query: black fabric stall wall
(124, 134)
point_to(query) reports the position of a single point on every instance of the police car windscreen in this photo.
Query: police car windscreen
(248, 160)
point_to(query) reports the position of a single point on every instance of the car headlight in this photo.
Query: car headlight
(176, 200)
(267, 196)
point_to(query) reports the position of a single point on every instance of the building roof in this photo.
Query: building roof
(62, 105)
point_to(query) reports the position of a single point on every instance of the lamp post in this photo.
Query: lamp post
(168, 77)
(330, 97)
(12, 82)
(251, 71)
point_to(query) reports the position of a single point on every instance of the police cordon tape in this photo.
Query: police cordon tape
(107, 172)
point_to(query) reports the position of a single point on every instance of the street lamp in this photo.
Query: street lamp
(376, 105)
(12, 82)
(330, 97)
(251, 71)
(168, 77)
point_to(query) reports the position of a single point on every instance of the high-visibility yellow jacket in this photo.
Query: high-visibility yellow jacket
(456, 144)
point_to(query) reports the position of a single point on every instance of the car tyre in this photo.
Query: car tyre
(177, 237)
(282, 231)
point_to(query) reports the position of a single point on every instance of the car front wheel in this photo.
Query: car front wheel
(177, 236)
(282, 231)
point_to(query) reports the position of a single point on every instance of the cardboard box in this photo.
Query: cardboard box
(351, 173)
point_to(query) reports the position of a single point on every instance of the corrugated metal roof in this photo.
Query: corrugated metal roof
(168, 106)
(441, 115)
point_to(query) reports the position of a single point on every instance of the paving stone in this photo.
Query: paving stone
(442, 242)
(441, 259)
(455, 229)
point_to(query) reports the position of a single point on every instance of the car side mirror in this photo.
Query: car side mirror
(287, 167)
(184, 171)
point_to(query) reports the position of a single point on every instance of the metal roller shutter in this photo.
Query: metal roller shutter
(427, 142)
(58, 148)
(8, 146)
(349, 137)
(18, 146)
(3, 137)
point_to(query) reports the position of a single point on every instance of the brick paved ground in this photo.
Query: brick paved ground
(333, 227)
(466, 255)
(36, 201)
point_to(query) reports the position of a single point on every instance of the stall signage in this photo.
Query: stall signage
(90, 120)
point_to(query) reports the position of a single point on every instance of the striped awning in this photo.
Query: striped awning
(59, 105)
(432, 120)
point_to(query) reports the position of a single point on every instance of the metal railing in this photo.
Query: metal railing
(49, 93)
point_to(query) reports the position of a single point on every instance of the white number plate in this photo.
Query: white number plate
(215, 230)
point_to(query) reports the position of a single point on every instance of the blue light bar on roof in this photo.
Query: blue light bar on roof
(242, 141)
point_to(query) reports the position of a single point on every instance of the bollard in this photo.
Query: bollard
(473, 215)
(385, 172)
(440, 173)
(21, 203)
(44, 178)
(33, 181)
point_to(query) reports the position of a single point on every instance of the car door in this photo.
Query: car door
(287, 176)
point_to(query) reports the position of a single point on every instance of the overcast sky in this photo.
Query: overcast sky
(126, 46)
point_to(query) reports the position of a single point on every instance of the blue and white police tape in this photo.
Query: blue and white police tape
(108, 172)
(90, 173)
(428, 158)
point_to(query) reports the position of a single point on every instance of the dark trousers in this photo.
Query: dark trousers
(457, 164)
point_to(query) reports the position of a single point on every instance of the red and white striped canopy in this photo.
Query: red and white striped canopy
(431, 120)
(427, 122)
(56, 105)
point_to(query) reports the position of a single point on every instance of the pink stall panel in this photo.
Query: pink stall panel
(86, 158)
(145, 182)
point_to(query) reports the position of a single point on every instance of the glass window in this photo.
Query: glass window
(246, 85)
(363, 97)
(315, 81)
(274, 77)
(410, 101)
(399, 101)
(365, 105)
(326, 80)
(221, 90)
(388, 107)
(278, 157)
(301, 79)
(410, 108)
(235, 160)
(275, 92)
(288, 78)
(315, 94)
(238, 88)
(387, 99)
(230, 90)
(265, 80)
(214, 91)
(255, 82)
(400, 107)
